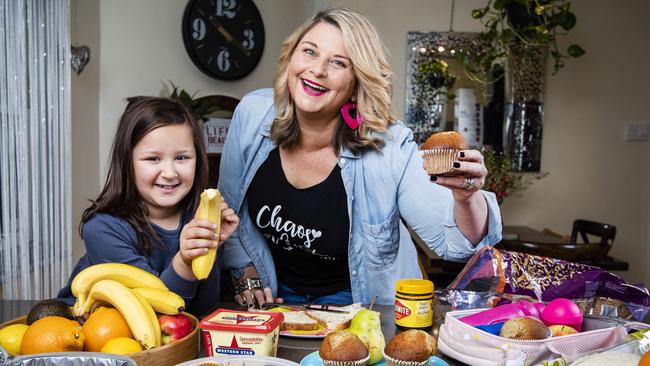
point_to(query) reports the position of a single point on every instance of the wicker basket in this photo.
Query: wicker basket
(171, 354)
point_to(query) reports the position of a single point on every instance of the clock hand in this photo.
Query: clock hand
(227, 35)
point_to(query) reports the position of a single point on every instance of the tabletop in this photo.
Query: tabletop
(294, 349)
(519, 239)
(527, 240)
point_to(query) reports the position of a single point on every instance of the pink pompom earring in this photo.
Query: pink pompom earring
(351, 115)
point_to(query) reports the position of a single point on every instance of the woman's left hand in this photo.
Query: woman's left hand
(472, 178)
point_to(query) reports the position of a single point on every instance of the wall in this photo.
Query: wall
(594, 174)
(84, 28)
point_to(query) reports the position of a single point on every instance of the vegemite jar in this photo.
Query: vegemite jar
(413, 304)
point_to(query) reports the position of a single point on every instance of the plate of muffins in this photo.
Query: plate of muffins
(410, 348)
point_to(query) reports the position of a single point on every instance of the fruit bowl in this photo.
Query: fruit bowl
(182, 350)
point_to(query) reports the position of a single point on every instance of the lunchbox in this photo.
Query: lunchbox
(477, 347)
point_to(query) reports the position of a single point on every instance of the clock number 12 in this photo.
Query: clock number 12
(226, 8)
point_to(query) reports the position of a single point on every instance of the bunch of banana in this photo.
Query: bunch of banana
(127, 275)
(162, 301)
(137, 312)
(209, 209)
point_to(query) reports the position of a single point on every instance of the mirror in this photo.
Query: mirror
(441, 97)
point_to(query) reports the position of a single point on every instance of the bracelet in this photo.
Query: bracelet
(248, 284)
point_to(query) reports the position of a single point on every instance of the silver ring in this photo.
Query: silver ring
(469, 184)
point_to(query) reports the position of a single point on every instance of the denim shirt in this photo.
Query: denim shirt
(382, 187)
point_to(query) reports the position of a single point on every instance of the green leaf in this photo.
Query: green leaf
(479, 13)
(575, 51)
(569, 21)
(500, 4)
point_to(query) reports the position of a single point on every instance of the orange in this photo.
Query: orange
(645, 360)
(122, 346)
(52, 334)
(103, 325)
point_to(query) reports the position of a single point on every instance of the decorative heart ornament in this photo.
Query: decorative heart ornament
(80, 55)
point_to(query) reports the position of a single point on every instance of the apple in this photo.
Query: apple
(174, 327)
(562, 330)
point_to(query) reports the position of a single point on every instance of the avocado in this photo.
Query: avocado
(49, 307)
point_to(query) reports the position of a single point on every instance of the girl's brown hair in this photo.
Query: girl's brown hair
(371, 70)
(120, 196)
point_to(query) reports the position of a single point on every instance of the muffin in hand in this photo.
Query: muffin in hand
(410, 348)
(439, 152)
(343, 349)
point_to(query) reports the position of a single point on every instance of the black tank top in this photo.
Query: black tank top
(306, 229)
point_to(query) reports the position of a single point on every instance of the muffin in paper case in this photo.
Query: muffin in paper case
(390, 361)
(361, 362)
(440, 161)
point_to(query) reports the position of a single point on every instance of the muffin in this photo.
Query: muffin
(439, 152)
(410, 348)
(524, 329)
(343, 349)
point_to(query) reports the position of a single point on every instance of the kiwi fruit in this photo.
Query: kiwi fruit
(49, 307)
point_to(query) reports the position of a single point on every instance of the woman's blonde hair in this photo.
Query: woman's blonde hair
(372, 72)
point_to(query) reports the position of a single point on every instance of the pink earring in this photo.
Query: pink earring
(351, 115)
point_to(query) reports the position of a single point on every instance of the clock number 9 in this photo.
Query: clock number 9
(226, 8)
(223, 60)
(248, 42)
(198, 27)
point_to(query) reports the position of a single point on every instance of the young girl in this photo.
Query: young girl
(144, 214)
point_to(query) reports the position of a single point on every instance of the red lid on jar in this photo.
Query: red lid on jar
(241, 321)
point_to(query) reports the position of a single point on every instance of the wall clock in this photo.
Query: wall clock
(224, 38)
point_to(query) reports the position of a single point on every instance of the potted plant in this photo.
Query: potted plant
(204, 106)
(500, 179)
(514, 29)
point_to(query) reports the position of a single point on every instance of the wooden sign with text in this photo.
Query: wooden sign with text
(214, 134)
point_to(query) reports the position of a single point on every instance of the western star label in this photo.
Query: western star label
(228, 332)
(229, 343)
(413, 313)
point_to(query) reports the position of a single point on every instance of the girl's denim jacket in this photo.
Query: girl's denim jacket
(382, 187)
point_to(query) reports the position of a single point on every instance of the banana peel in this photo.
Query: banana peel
(209, 209)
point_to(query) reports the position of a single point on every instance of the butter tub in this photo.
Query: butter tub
(231, 332)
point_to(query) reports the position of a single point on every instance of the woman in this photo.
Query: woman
(320, 189)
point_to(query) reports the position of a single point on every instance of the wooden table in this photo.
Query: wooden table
(519, 239)
(294, 349)
(527, 240)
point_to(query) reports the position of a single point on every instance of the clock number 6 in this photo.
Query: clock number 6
(226, 8)
(223, 60)
(248, 42)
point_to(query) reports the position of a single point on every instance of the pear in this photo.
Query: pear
(367, 326)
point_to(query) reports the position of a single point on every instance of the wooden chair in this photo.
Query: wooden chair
(605, 232)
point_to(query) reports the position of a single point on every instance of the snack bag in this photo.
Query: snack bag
(543, 278)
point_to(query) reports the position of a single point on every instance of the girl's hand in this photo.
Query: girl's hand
(472, 178)
(229, 222)
(196, 238)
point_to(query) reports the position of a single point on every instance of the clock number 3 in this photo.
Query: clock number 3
(223, 60)
(226, 8)
(248, 42)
